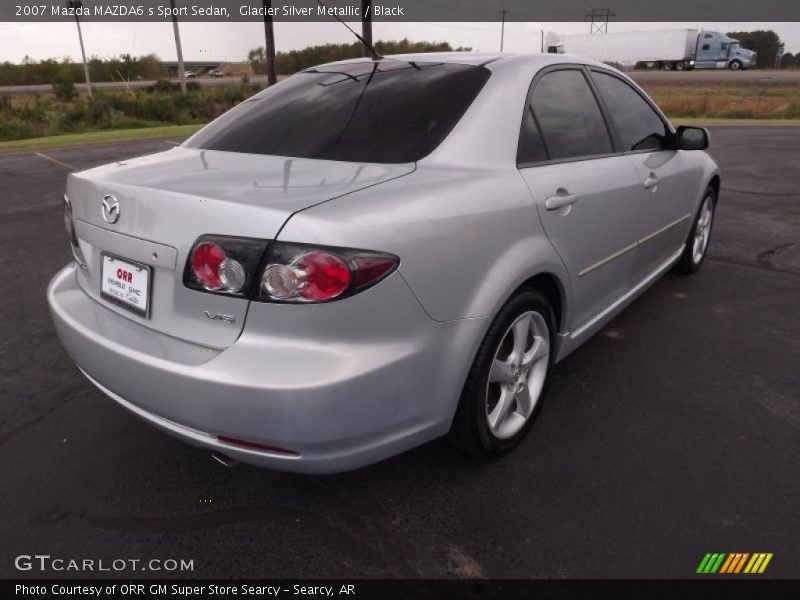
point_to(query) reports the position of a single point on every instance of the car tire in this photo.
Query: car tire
(680, 66)
(668, 66)
(499, 402)
(696, 248)
(736, 65)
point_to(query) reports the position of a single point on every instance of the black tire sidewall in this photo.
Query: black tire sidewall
(523, 302)
(687, 263)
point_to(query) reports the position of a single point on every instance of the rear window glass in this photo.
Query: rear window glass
(387, 111)
(570, 119)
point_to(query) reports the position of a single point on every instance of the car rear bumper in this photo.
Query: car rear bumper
(363, 387)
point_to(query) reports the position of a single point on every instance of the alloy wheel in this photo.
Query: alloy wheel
(517, 375)
(702, 231)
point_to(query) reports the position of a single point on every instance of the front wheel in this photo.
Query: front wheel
(508, 379)
(694, 253)
(736, 65)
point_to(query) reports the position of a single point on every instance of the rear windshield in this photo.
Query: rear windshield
(387, 111)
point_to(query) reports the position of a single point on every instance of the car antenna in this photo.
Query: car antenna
(370, 47)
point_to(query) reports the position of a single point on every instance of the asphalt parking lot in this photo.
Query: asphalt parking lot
(672, 433)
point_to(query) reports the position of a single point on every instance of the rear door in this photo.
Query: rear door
(584, 192)
(665, 187)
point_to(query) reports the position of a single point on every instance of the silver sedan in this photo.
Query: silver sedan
(376, 253)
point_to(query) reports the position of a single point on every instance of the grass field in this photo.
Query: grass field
(734, 100)
(93, 137)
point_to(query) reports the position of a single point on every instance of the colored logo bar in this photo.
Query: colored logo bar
(733, 563)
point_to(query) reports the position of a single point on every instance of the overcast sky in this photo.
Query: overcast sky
(231, 41)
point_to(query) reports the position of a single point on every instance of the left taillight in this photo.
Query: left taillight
(224, 265)
(69, 222)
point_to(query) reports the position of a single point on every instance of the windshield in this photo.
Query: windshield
(386, 111)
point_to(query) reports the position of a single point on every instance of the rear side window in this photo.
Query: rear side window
(638, 125)
(568, 117)
(531, 147)
(388, 111)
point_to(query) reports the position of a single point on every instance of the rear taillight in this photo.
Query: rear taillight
(302, 274)
(69, 222)
(292, 273)
(224, 265)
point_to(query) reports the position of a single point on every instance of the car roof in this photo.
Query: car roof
(481, 58)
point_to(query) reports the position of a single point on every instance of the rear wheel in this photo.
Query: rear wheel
(694, 253)
(667, 66)
(508, 379)
(680, 66)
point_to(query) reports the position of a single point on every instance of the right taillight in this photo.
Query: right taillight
(283, 272)
(300, 274)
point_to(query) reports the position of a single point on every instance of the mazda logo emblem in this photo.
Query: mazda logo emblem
(110, 209)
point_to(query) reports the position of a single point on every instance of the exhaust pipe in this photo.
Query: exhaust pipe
(225, 461)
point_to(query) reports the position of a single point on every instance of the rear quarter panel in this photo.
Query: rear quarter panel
(466, 238)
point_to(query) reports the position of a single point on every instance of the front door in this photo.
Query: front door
(666, 197)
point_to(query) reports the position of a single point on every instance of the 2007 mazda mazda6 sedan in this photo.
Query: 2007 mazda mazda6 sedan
(375, 253)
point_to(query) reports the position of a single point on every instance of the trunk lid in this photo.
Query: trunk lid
(168, 200)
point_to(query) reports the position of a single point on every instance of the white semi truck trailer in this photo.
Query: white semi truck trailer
(674, 49)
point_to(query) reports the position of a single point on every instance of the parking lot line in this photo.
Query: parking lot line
(55, 161)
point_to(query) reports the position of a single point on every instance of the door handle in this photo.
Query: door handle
(651, 181)
(560, 200)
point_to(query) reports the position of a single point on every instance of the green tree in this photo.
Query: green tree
(290, 62)
(764, 42)
(64, 87)
(257, 59)
(788, 60)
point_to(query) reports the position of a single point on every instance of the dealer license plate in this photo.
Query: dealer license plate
(126, 284)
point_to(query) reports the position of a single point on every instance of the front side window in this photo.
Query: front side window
(387, 111)
(568, 117)
(638, 125)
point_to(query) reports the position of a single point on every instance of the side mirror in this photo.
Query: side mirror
(692, 138)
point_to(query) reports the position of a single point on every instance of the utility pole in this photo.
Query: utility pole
(181, 70)
(542, 41)
(269, 34)
(76, 4)
(366, 25)
(503, 12)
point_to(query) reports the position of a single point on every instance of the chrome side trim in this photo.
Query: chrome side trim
(619, 253)
(628, 295)
(607, 259)
(663, 229)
